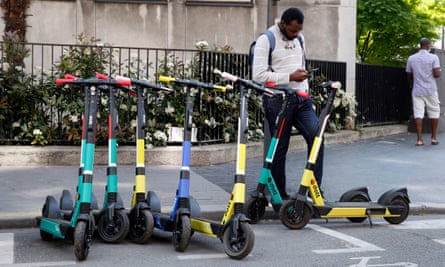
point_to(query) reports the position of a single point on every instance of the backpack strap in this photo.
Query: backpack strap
(271, 38)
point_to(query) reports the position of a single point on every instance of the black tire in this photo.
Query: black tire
(292, 218)
(399, 201)
(116, 232)
(242, 244)
(357, 198)
(81, 240)
(255, 209)
(141, 227)
(45, 236)
(182, 233)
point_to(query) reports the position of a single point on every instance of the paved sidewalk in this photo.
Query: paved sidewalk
(381, 163)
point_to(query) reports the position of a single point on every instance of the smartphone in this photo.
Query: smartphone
(312, 70)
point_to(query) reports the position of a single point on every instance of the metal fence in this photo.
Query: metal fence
(383, 95)
(380, 94)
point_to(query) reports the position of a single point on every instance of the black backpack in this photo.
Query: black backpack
(271, 38)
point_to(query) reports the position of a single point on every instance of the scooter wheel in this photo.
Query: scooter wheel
(238, 245)
(403, 203)
(255, 209)
(357, 198)
(115, 231)
(81, 240)
(182, 233)
(141, 226)
(293, 218)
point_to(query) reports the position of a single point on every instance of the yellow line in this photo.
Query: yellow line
(12, 215)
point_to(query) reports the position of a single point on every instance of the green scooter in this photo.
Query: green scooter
(80, 226)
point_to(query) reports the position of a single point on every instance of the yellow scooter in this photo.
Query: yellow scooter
(354, 205)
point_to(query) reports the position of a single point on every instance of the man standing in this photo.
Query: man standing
(287, 67)
(423, 68)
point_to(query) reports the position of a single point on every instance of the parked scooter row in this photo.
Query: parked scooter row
(78, 220)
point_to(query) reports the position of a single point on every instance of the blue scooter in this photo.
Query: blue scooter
(178, 221)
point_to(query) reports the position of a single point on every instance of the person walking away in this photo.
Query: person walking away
(423, 68)
(287, 67)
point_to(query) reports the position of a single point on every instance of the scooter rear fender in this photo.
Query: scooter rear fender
(348, 195)
(389, 195)
(153, 202)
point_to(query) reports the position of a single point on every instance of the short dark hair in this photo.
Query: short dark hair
(424, 41)
(291, 14)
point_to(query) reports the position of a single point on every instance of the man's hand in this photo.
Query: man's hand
(299, 75)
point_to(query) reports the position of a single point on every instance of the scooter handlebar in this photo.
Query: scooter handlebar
(287, 89)
(332, 84)
(193, 83)
(93, 81)
(124, 88)
(145, 84)
(248, 83)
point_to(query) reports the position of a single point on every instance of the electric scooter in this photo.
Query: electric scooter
(355, 204)
(178, 221)
(257, 203)
(234, 230)
(141, 218)
(80, 227)
(112, 220)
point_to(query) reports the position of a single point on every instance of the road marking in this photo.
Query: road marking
(357, 244)
(364, 263)
(42, 264)
(202, 256)
(6, 248)
(421, 224)
(441, 241)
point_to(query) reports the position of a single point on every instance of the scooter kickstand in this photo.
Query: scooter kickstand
(368, 213)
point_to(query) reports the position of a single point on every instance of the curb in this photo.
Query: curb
(30, 222)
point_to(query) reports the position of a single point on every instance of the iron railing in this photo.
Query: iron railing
(380, 90)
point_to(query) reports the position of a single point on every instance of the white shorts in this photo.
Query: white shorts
(430, 103)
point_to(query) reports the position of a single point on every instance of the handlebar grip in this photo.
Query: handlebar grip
(220, 88)
(124, 82)
(70, 76)
(303, 94)
(229, 76)
(63, 81)
(102, 76)
(122, 78)
(166, 79)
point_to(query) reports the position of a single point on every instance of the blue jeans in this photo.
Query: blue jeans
(301, 115)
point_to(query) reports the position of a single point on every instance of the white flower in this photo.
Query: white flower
(37, 132)
(226, 137)
(211, 123)
(133, 123)
(123, 107)
(134, 108)
(169, 109)
(160, 136)
(16, 124)
(219, 100)
(74, 118)
(5, 65)
(202, 45)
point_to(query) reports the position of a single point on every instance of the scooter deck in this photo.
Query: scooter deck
(57, 227)
(356, 209)
(208, 227)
